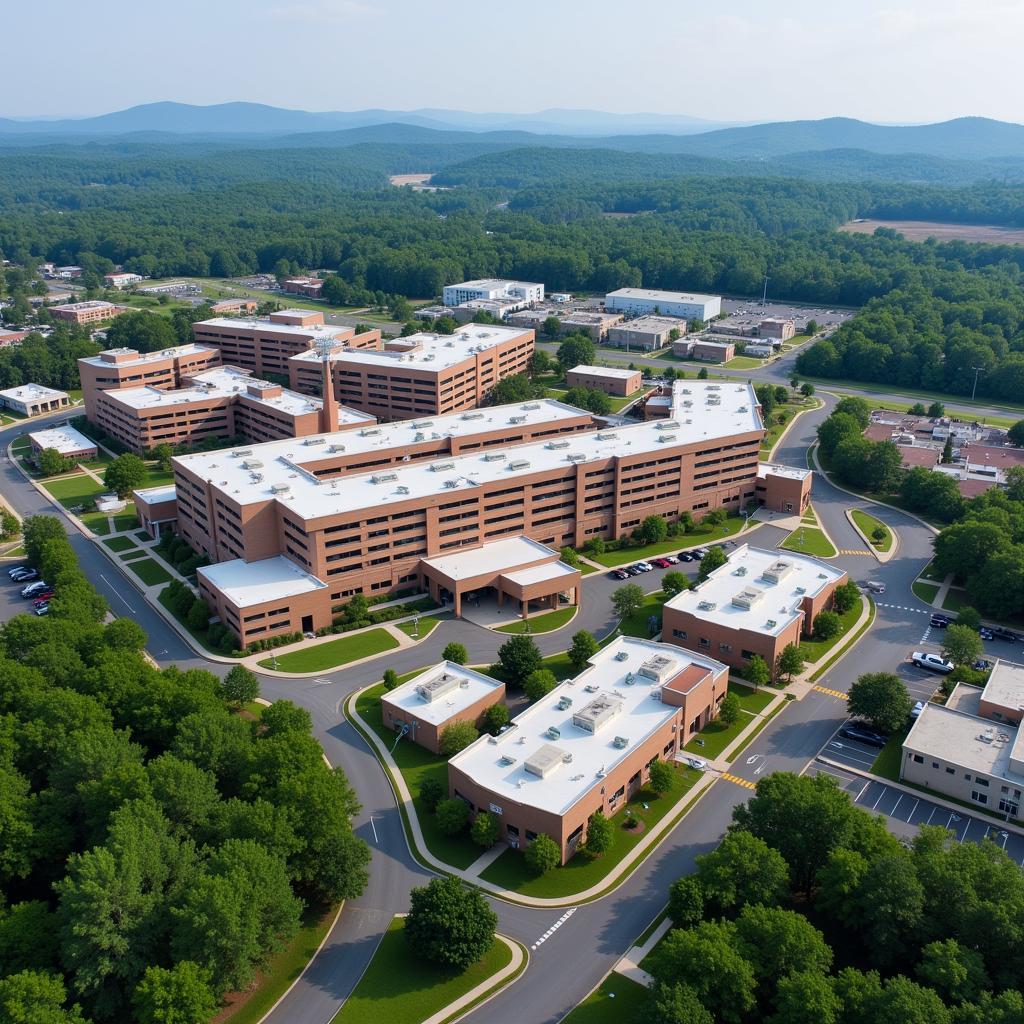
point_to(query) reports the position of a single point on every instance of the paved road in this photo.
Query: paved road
(588, 942)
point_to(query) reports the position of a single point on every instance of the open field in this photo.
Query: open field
(919, 230)
(409, 179)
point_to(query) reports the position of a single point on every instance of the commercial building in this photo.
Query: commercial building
(157, 509)
(641, 301)
(171, 288)
(972, 749)
(588, 746)
(525, 292)
(612, 380)
(758, 351)
(363, 512)
(234, 307)
(711, 351)
(308, 286)
(68, 273)
(121, 280)
(593, 323)
(757, 603)
(8, 337)
(65, 441)
(424, 706)
(433, 313)
(33, 399)
(647, 332)
(772, 327)
(118, 368)
(784, 489)
(497, 309)
(264, 346)
(423, 374)
(92, 311)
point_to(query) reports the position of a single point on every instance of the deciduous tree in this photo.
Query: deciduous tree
(449, 924)
(881, 698)
(582, 649)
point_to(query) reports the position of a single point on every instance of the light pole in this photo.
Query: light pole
(977, 370)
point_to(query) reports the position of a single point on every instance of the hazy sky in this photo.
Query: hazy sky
(882, 60)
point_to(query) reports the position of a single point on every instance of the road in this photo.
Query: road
(585, 946)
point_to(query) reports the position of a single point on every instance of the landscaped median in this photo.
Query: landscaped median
(809, 540)
(873, 530)
(547, 622)
(398, 987)
(320, 657)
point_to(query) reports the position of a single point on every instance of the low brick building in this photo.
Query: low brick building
(34, 399)
(647, 332)
(92, 311)
(65, 441)
(612, 380)
(713, 351)
(783, 488)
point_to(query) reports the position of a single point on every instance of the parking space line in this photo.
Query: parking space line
(880, 795)
(932, 815)
(861, 793)
(970, 822)
(892, 813)
(912, 809)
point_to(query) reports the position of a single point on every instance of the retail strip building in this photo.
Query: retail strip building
(588, 746)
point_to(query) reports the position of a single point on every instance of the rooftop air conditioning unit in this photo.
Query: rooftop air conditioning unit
(517, 419)
(315, 440)
(439, 467)
(336, 448)
(383, 478)
(620, 742)
(280, 489)
(242, 451)
(402, 490)
(557, 444)
(532, 405)
(622, 656)
(519, 464)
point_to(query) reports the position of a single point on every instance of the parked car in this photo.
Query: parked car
(633, 570)
(42, 609)
(1002, 633)
(34, 589)
(619, 574)
(915, 711)
(932, 662)
(671, 559)
(697, 762)
(686, 556)
(15, 569)
(941, 621)
(863, 735)
(981, 665)
(26, 576)
(43, 597)
(661, 563)
(875, 586)
(985, 633)
(699, 552)
(645, 566)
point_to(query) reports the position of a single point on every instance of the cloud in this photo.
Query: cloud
(324, 12)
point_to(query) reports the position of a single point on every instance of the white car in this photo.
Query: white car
(875, 587)
(915, 711)
(932, 662)
(697, 762)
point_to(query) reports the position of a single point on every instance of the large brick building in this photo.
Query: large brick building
(588, 746)
(91, 311)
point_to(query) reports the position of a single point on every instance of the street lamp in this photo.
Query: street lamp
(977, 370)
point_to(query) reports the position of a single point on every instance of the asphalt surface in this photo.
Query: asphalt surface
(586, 944)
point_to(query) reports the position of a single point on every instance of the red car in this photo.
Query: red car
(661, 563)
(42, 598)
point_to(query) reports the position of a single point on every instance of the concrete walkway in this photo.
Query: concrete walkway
(629, 965)
(486, 859)
(489, 986)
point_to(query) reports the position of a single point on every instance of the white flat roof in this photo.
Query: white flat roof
(255, 325)
(488, 558)
(86, 304)
(734, 412)
(64, 440)
(777, 469)
(248, 583)
(429, 351)
(967, 740)
(155, 495)
(661, 296)
(540, 573)
(495, 282)
(32, 392)
(141, 358)
(585, 756)
(1005, 685)
(613, 372)
(454, 689)
(651, 324)
(765, 606)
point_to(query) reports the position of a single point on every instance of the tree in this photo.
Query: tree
(124, 474)
(961, 644)
(627, 600)
(539, 684)
(198, 617)
(730, 709)
(686, 903)
(485, 830)
(541, 362)
(758, 672)
(456, 737)
(570, 557)
(518, 657)
(714, 559)
(390, 679)
(576, 350)
(163, 454)
(882, 699)
(124, 635)
(845, 597)
(766, 398)
(654, 529)
(778, 942)
(968, 616)
(955, 972)
(673, 583)
(180, 995)
(858, 408)
(513, 389)
(582, 649)
(892, 907)
(455, 653)
(836, 429)
(827, 625)
(432, 792)
(496, 718)
(452, 815)
(240, 686)
(662, 776)
(36, 531)
(542, 854)
(9, 524)
(947, 451)
(807, 389)
(702, 373)
(591, 399)
(805, 997)
(552, 327)
(51, 462)
(33, 997)
(449, 924)
(936, 410)
(143, 331)
(740, 871)
(599, 833)
(675, 1004)
(791, 661)
(1016, 433)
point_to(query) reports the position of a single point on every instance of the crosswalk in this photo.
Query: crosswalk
(904, 608)
(853, 551)
(832, 693)
(737, 781)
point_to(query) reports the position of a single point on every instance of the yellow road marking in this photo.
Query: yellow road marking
(735, 779)
(832, 693)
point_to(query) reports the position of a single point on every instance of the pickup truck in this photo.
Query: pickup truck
(932, 662)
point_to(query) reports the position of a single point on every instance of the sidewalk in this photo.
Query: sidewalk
(629, 965)
(489, 986)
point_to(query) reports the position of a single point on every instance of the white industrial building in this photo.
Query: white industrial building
(641, 301)
(493, 289)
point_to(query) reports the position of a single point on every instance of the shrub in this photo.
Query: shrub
(827, 626)
(662, 776)
(456, 737)
(599, 833)
(432, 792)
(730, 709)
(450, 924)
(455, 652)
(485, 830)
(495, 718)
(452, 815)
(390, 678)
(539, 684)
(543, 854)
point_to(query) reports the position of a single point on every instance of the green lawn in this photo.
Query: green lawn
(21, 444)
(929, 572)
(955, 599)
(98, 522)
(416, 764)
(427, 625)
(969, 414)
(867, 524)
(809, 540)
(18, 552)
(130, 556)
(74, 490)
(637, 624)
(400, 988)
(510, 870)
(617, 1000)
(701, 534)
(150, 572)
(744, 363)
(546, 623)
(752, 701)
(887, 764)
(120, 543)
(334, 653)
(282, 970)
(125, 521)
(925, 591)
(814, 650)
(143, 536)
(809, 516)
(716, 736)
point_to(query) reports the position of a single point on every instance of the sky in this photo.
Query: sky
(732, 60)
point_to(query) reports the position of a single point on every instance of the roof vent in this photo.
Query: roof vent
(620, 742)
(472, 415)
(622, 656)
(557, 444)
(495, 456)
(706, 606)
(506, 760)
(519, 464)
(336, 448)
(315, 440)
(242, 451)
(440, 467)
(564, 703)
(517, 419)
(384, 478)
(280, 489)
(531, 405)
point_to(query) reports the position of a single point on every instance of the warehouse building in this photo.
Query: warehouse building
(495, 289)
(369, 518)
(34, 399)
(642, 301)
(588, 746)
(648, 333)
(612, 380)
(757, 603)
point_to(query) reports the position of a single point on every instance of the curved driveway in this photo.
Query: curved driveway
(578, 954)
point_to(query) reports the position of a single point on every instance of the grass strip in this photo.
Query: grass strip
(867, 524)
(334, 653)
(150, 572)
(615, 1000)
(546, 623)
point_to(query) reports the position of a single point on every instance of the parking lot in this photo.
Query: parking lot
(749, 312)
(907, 812)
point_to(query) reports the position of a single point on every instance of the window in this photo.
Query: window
(951, 771)
(704, 642)
(1007, 806)
(918, 759)
(967, 776)
(981, 782)
(530, 836)
(679, 634)
(935, 764)
(725, 647)
(981, 798)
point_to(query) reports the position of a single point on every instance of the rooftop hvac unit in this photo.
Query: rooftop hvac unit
(383, 478)
(519, 464)
(402, 490)
(495, 456)
(336, 448)
(315, 440)
(422, 424)
(564, 703)
(801, 590)
(666, 438)
(622, 656)
(741, 571)
(532, 405)
(419, 436)
(472, 415)
(440, 467)
(628, 680)
(670, 426)
(280, 489)
(553, 732)
(706, 606)
(557, 444)
(771, 623)
(252, 464)
(242, 451)
(370, 432)
(620, 742)
(506, 760)
(517, 419)
(576, 457)
(450, 484)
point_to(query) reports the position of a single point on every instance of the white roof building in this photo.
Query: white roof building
(63, 440)
(248, 583)
(492, 288)
(442, 692)
(640, 301)
(608, 372)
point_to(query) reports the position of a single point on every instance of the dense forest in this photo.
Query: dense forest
(158, 844)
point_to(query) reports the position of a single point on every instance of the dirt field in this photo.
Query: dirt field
(618, 215)
(919, 230)
(410, 179)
